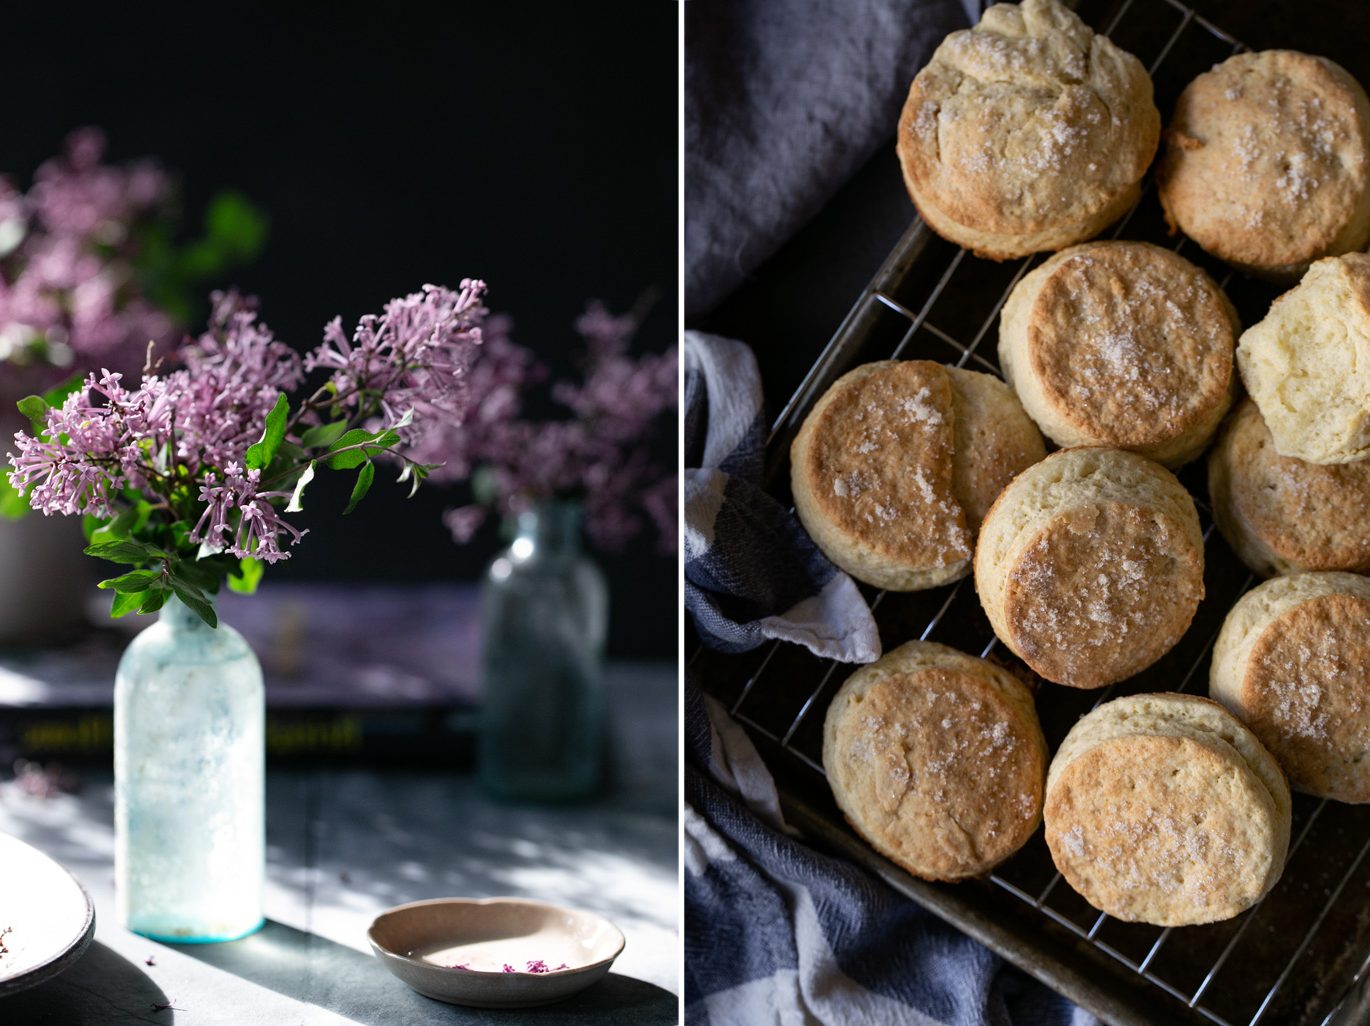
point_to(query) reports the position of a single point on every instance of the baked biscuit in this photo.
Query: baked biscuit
(1293, 662)
(895, 466)
(1090, 565)
(1122, 344)
(1028, 132)
(1164, 809)
(1307, 363)
(1265, 163)
(936, 758)
(1282, 515)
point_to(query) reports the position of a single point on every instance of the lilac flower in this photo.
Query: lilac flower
(68, 294)
(661, 501)
(598, 453)
(93, 449)
(233, 374)
(464, 521)
(78, 197)
(181, 467)
(605, 334)
(411, 359)
(105, 438)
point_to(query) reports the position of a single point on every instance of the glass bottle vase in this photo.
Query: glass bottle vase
(545, 615)
(189, 806)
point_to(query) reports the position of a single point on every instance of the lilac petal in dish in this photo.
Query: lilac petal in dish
(496, 952)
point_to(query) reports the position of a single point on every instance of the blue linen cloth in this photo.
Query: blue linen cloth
(751, 573)
(785, 101)
(777, 934)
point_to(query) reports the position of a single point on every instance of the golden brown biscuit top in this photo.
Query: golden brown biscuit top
(1026, 119)
(1266, 157)
(1147, 826)
(1314, 516)
(937, 754)
(1131, 341)
(880, 463)
(1101, 592)
(1307, 691)
(995, 441)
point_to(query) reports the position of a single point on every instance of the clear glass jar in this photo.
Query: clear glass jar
(545, 614)
(189, 803)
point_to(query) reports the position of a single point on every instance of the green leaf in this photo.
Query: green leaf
(124, 552)
(153, 600)
(35, 408)
(89, 525)
(134, 580)
(289, 453)
(197, 600)
(126, 602)
(351, 449)
(57, 395)
(13, 503)
(360, 446)
(322, 436)
(364, 478)
(203, 574)
(353, 437)
(249, 575)
(260, 454)
(236, 227)
(298, 494)
(123, 525)
(485, 486)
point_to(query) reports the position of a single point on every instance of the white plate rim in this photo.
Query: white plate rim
(60, 960)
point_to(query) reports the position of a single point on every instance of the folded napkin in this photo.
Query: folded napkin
(751, 573)
(777, 933)
(785, 101)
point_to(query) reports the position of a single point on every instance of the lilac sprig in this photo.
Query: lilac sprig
(598, 453)
(410, 359)
(184, 476)
(68, 289)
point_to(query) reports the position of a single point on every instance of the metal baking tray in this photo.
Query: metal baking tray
(1302, 956)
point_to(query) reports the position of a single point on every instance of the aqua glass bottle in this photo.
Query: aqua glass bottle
(189, 805)
(545, 615)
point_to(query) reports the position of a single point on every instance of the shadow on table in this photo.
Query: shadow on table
(319, 972)
(101, 987)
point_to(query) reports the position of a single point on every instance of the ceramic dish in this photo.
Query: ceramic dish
(46, 917)
(496, 952)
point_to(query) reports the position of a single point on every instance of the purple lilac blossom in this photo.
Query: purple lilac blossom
(598, 454)
(67, 290)
(106, 437)
(412, 358)
(197, 422)
(233, 374)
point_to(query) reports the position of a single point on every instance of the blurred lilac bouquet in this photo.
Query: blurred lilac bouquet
(183, 477)
(597, 452)
(90, 274)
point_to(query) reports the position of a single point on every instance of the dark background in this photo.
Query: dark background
(533, 146)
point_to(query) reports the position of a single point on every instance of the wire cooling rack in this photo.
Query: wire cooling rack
(1300, 957)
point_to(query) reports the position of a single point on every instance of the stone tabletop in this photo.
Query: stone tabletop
(345, 844)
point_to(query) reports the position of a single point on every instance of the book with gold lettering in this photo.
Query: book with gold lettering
(384, 673)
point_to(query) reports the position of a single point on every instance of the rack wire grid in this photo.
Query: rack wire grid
(1302, 955)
